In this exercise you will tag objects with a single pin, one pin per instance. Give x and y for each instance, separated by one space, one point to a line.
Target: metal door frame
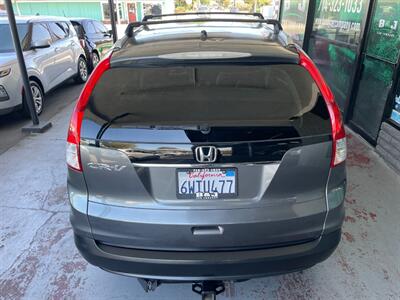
357 73
312 4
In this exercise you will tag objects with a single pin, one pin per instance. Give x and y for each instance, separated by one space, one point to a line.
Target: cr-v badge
107 167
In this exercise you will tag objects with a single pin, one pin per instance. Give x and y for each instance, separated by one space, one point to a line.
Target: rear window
6 44
89 27
58 30
40 32
226 96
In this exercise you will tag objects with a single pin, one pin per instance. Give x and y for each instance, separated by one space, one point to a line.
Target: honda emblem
206 154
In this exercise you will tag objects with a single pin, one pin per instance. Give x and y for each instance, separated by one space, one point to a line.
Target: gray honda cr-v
206 150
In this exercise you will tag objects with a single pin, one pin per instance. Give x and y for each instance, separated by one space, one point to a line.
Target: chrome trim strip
152 165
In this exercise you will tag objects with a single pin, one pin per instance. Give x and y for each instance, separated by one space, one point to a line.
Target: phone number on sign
336 6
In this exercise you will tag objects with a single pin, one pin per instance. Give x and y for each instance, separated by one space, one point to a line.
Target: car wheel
95 59
83 73
38 99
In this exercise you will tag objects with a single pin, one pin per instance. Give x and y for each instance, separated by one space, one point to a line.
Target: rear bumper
207 265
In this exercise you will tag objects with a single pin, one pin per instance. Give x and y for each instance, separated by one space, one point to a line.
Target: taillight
74 129
339 149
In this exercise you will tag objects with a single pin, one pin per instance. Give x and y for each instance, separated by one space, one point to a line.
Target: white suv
52 55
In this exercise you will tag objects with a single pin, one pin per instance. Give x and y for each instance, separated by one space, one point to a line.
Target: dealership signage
385 31
346 6
344 15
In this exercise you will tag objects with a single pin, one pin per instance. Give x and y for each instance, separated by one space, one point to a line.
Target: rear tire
82 75
95 60
38 99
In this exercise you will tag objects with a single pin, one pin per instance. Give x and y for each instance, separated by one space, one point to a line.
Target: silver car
52 55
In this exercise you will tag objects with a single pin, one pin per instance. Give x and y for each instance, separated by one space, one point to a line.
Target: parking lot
40 261
56 101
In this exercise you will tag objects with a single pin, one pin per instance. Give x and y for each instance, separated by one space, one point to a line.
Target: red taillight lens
74 129
338 133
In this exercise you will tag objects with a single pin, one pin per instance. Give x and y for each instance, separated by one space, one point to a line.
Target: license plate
213 183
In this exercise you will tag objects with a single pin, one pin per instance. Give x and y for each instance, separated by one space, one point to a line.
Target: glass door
293 18
335 40
379 60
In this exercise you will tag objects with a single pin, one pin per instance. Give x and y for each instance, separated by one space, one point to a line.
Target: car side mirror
110 32
40 44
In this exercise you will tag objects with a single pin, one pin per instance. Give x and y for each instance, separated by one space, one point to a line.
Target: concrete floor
38 259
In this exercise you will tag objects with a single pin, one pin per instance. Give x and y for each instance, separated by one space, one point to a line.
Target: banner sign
341 18
384 36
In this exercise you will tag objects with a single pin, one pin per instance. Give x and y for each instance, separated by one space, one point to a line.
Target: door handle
207 230
57 49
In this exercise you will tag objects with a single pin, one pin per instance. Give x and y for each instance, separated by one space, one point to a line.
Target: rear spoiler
131 26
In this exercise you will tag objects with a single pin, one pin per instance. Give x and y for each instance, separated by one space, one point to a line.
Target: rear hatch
147 137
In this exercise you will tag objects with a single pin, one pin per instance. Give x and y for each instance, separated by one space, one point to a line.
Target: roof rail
131 26
148 17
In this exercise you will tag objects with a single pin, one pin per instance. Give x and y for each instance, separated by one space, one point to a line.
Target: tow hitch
207 289
149 285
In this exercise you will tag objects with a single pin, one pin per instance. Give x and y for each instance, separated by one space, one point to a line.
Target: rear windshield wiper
107 124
